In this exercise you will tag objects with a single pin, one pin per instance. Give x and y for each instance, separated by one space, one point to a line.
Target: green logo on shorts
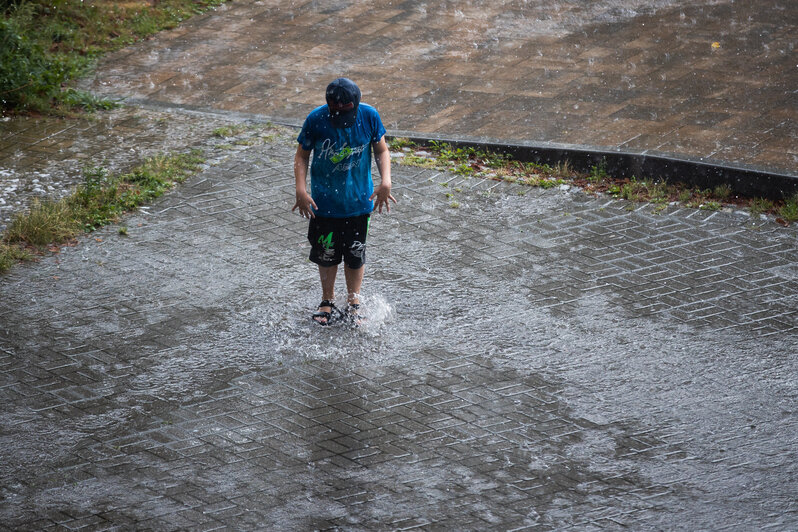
326 241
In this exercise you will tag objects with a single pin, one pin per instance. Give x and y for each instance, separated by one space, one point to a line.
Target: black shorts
334 239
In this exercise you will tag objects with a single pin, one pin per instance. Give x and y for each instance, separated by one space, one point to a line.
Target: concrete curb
744 180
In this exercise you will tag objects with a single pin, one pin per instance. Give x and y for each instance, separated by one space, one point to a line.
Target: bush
28 78
46 43
8 5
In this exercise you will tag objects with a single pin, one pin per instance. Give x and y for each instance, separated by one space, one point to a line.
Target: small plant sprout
399 143
789 211
598 173
710 206
224 132
759 206
722 192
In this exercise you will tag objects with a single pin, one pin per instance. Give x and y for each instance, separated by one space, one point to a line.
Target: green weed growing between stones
228 131
789 210
710 206
759 206
598 173
722 192
10 254
398 143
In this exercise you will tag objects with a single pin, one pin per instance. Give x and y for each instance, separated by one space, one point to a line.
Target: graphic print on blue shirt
340 171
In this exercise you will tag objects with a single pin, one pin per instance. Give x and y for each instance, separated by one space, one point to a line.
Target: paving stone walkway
705 79
534 360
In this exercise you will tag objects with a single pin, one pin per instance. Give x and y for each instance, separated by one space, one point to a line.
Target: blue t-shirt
340 171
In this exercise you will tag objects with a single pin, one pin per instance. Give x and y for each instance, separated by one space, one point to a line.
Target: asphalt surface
533 359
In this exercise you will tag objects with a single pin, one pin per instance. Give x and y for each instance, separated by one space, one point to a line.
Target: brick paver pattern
543 359
708 79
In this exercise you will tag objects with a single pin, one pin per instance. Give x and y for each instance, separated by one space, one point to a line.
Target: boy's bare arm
304 202
383 192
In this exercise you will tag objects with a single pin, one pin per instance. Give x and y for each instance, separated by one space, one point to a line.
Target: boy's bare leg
354 280
327 277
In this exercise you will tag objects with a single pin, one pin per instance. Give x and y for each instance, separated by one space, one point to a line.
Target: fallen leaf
782 221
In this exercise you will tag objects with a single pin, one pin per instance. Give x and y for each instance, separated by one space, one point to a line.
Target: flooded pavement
712 80
532 360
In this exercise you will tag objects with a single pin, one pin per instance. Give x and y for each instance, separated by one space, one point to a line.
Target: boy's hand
305 204
383 194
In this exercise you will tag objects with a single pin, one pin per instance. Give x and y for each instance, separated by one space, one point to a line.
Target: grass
224 132
100 200
473 162
788 211
12 254
47 222
44 44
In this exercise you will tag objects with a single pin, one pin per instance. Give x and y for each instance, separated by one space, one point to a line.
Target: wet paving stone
548 360
707 79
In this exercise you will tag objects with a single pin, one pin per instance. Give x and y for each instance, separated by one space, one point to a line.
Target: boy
341 135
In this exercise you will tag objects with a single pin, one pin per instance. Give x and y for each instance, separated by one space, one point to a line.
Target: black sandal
352 314
323 314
